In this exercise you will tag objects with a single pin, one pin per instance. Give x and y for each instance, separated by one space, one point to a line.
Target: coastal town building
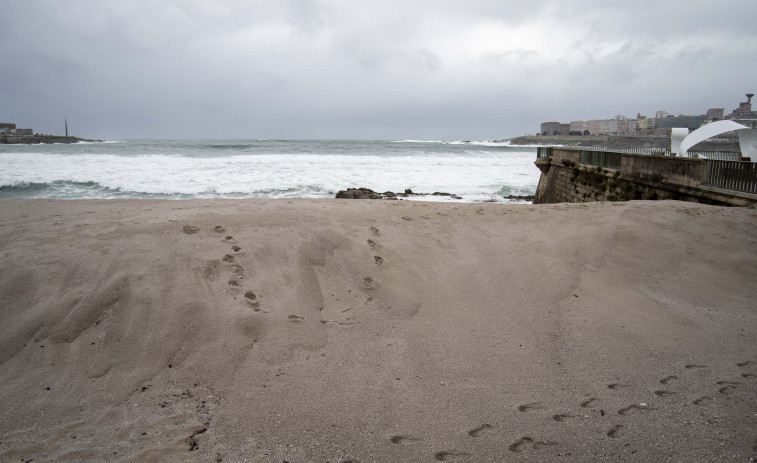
659 125
9 128
715 114
554 128
744 114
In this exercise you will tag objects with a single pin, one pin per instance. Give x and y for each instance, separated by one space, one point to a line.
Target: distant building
7 126
744 114
24 132
647 126
579 128
715 114
554 128
659 125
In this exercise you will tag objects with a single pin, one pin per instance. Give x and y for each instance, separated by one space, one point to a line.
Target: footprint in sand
238 270
521 444
617 386
588 403
664 393
189 229
479 430
694 366
234 283
372 244
530 407
296 318
616 431
368 282
747 364
634 409
374 231
704 400
560 418
668 379
251 299
228 258
405 440
378 260
219 229
449 455
728 386
236 248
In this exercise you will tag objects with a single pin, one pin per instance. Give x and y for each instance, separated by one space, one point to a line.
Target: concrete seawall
630 176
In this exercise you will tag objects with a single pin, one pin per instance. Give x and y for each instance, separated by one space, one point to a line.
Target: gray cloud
441 69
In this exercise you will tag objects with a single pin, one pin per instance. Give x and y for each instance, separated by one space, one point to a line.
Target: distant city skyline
436 70
657 125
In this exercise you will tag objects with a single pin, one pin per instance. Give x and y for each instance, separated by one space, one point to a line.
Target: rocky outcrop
520 197
367 193
39 139
359 193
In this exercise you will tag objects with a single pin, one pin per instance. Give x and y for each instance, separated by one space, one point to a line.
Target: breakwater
582 175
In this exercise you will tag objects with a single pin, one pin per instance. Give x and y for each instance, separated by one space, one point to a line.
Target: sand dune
376 331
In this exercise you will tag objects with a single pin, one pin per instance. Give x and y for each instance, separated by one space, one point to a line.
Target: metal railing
546 152
611 160
648 151
718 155
732 175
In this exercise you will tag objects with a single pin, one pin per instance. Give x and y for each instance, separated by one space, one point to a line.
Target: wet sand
376 331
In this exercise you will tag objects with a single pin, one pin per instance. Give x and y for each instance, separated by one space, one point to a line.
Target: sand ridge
361 330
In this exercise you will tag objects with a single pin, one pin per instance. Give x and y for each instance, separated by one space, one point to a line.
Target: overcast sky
354 69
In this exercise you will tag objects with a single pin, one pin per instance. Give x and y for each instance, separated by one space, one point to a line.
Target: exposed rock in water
367 193
520 197
358 193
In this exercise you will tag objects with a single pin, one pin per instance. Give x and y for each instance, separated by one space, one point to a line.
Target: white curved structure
676 137
748 143
711 130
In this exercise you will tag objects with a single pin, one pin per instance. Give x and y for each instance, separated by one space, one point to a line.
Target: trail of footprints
251 299
235 282
617 431
238 272
523 443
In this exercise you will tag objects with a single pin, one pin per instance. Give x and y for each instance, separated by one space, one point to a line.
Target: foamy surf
480 171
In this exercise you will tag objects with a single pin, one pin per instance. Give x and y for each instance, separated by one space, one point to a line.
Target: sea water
186 169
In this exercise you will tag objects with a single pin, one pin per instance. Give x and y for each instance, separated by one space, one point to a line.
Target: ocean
187 169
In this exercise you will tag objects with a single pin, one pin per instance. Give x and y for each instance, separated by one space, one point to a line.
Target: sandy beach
376 331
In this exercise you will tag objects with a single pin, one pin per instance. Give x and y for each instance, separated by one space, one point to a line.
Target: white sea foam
477 173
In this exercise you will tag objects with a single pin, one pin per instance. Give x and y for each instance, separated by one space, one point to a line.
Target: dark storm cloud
353 69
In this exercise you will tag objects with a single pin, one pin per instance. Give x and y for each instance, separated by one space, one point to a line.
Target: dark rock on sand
367 193
520 197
